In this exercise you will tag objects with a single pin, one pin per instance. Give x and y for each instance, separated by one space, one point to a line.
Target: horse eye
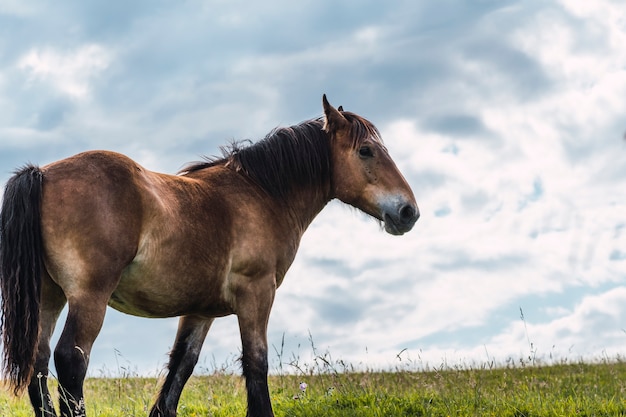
365 152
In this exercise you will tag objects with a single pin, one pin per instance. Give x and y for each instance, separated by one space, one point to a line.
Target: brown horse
97 229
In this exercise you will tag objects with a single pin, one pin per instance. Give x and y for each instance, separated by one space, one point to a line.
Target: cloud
523 219
505 117
574 332
16 8
68 73
566 336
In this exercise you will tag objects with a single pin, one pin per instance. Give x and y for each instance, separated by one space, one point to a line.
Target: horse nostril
408 213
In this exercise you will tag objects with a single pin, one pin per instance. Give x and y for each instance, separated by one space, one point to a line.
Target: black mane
288 156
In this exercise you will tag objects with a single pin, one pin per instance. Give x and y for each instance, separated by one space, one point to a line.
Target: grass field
516 390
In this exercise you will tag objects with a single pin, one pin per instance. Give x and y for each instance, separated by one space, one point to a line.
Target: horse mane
288 156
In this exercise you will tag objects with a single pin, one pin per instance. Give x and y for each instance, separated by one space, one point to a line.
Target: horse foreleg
183 358
255 303
71 355
52 302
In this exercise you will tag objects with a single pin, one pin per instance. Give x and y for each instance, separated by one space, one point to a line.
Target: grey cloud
593 323
617 255
458 261
581 144
51 113
458 125
192 48
520 74
186 77
426 179
456 336
340 312
474 201
106 20
443 211
341 267
335 266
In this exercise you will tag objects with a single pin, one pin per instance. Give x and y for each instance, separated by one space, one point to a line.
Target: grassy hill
517 390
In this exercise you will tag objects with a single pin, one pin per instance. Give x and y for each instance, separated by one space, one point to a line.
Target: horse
97 229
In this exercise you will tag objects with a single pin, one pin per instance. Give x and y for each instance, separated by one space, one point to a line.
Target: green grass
578 389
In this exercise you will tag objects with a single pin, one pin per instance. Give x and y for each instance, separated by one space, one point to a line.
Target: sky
507 118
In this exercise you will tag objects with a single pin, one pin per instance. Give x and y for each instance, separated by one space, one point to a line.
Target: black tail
20 273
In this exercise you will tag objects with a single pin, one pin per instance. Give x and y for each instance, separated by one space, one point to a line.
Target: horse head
363 173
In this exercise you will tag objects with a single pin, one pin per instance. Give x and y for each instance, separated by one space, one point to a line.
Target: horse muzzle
399 216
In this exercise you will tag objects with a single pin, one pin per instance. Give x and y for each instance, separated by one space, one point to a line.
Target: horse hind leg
183 358
52 302
71 355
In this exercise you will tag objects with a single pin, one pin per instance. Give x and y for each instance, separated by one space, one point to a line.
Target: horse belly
159 292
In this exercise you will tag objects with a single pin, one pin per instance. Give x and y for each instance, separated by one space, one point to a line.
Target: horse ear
333 120
340 108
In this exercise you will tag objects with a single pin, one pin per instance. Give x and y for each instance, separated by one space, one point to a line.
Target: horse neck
303 205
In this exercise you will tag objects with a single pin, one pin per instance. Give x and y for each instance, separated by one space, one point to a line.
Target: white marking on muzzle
390 211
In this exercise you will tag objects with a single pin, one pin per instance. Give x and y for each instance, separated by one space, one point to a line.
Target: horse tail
20 274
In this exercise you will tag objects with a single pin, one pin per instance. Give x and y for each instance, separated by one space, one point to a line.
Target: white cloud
575 333
542 222
16 8
68 72
568 336
506 124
